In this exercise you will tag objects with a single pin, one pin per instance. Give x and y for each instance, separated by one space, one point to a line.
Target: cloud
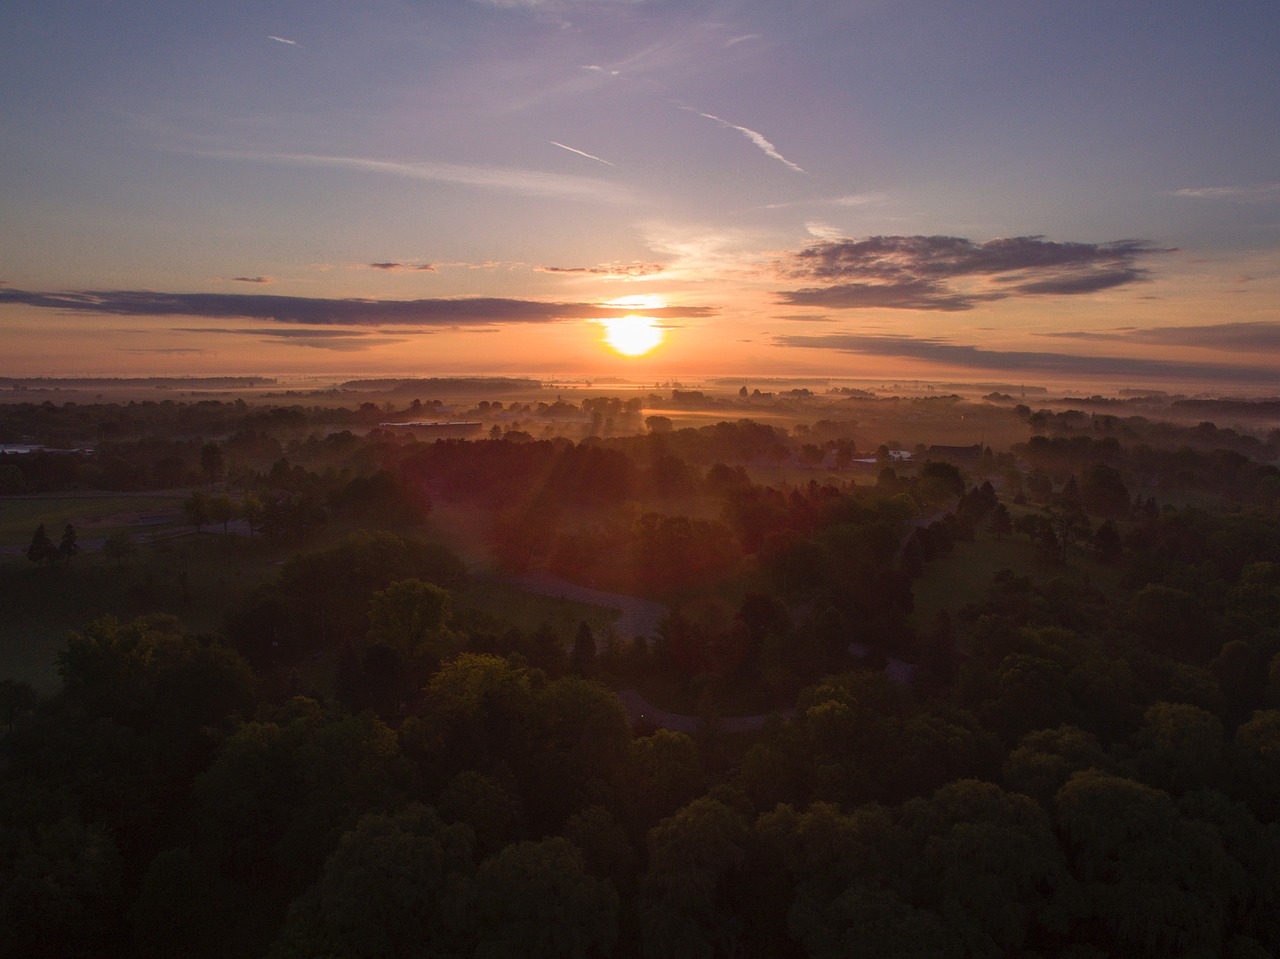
595 68
1248 337
581 153
341 341
848 200
508 179
974 357
904 295
308 311
165 351
253 279
1253 193
394 267
758 139
614 270
734 41
292 43
951 274
860 199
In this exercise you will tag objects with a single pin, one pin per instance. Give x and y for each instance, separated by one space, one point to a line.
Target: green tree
412 617
535 899
692 889
397 885
60 891
196 509
42 549
212 463
1151 883
16 698
67 546
220 509
583 656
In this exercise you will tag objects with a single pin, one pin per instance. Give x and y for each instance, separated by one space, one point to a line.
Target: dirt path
636 617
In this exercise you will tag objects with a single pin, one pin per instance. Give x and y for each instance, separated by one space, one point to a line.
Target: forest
935 676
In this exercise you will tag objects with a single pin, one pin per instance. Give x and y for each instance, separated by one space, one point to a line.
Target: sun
632 335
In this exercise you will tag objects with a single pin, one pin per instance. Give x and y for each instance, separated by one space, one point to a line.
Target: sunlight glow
632 335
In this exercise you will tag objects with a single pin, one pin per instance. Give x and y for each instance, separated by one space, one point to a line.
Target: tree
251 510
1152 883
60 891
535 899
221 509
583 656
212 464
16 698
41 549
196 508
1001 523
67 546
412 616
689 903
397 885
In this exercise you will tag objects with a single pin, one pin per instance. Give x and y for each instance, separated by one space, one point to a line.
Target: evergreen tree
583 656
68 546
41 549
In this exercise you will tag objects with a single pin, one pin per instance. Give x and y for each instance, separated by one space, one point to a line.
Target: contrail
579 152
756 138
292 43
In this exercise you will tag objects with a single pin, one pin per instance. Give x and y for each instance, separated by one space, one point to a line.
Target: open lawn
94 515
962 576
199 579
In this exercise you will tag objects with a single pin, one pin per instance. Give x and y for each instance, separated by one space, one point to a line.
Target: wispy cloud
284 40
734 41
1252 193
508 179
611 270
757 138
848 200
973 357
309 311
165 350
860 199
596 68
254 279
581 153
939 272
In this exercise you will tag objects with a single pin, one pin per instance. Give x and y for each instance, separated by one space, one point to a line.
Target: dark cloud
392 266
343 341
1256 337
974 357
254 279
307 311
903 295
939 272
611 269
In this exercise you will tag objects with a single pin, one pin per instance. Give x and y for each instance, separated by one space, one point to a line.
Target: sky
1016 192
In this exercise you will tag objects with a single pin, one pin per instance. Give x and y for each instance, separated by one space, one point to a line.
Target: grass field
199 579
94 516
962 576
